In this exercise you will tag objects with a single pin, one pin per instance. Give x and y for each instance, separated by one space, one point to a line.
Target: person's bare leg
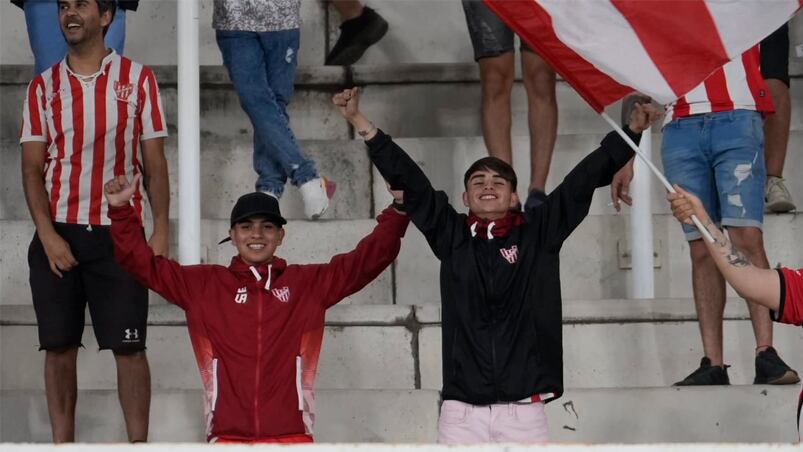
134 390
542 115
496 81
348 9
776 128
708 286
61 390
751 242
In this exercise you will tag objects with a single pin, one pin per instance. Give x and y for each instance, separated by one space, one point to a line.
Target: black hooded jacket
500 292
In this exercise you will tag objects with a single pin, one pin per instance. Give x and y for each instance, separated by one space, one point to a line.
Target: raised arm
428 208
568 204
759 285
164 276
349 272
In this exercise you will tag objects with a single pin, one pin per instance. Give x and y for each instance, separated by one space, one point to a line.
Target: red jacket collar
269 270
493 228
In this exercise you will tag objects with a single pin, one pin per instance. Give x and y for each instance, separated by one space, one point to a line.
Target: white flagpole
655 171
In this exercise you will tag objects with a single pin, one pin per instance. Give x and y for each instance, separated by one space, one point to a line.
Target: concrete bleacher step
305 242
595 259
440 100
607 344
637 415
227 172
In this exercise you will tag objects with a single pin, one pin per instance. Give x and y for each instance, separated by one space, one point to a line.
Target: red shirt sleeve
790 309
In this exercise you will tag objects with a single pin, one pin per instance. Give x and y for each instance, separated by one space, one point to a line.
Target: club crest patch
282 293
122 91
511 254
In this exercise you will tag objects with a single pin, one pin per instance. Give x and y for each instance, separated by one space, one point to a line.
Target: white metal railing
189 133
641 228
363 447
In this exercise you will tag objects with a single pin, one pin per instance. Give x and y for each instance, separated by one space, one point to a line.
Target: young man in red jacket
257 326
780 289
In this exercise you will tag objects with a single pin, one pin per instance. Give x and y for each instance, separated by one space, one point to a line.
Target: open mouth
488 197
256 246
73 26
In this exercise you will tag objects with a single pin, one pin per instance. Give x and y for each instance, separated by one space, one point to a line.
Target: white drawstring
256 273
490 229
474 229
267 283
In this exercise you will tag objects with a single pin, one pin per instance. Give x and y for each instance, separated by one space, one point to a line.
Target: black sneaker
706 374
771 370
535 198
356 35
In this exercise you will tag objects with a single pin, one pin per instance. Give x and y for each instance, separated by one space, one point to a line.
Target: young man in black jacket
500 281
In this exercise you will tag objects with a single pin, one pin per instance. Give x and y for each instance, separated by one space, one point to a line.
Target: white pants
462 423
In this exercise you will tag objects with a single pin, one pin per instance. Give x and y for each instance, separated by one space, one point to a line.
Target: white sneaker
270 193
776 197
316 194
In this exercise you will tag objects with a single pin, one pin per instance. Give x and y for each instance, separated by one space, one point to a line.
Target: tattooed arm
756 284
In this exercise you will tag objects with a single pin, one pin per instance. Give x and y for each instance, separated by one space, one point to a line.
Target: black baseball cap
256 204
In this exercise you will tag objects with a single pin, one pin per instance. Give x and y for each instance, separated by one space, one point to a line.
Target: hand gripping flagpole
658 174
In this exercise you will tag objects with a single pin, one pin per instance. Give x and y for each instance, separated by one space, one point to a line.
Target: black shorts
775 55
490 36
117 303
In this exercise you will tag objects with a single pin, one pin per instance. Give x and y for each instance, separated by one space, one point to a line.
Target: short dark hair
492 164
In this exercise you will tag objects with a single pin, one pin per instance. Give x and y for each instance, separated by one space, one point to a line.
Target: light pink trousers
462 423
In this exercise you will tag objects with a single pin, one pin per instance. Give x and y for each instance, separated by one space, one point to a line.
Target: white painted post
189 134
641 233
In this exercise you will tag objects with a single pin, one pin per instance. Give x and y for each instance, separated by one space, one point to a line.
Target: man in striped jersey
93 116
713 145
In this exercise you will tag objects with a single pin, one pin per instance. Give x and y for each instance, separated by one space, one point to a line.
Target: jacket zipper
494 309
257 366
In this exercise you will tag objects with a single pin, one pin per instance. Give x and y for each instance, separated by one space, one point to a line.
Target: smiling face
489 195
256 239
81 20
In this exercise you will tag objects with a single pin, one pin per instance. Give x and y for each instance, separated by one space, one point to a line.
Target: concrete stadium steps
177 416
722 414
595 259
393 97
309 242
227 172
411 37
607 344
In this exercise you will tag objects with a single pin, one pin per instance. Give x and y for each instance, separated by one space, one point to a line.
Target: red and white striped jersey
93 126
736 86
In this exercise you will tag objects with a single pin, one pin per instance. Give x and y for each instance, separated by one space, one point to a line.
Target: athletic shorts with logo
117 303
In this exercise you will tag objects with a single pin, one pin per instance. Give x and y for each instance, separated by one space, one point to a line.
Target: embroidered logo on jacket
510 254
282 293
242 295
122 91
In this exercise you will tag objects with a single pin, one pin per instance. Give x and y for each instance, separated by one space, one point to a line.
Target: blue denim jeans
47 41
720 158
262 67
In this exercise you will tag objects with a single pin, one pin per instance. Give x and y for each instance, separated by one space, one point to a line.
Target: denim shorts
490 36
720 158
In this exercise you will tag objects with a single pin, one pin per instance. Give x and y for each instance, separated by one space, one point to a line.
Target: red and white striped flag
663 48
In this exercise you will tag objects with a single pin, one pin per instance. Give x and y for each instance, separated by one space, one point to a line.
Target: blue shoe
535 198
